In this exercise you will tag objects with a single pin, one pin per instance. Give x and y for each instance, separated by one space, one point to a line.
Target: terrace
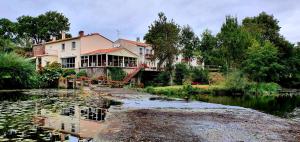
108 58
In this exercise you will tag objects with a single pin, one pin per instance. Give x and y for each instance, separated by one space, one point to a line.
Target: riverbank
143 119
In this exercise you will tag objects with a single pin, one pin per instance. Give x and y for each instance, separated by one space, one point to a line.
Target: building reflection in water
75 123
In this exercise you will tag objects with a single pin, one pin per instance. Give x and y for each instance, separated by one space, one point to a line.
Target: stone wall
95 71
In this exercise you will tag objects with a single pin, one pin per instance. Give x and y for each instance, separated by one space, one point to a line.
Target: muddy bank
160 122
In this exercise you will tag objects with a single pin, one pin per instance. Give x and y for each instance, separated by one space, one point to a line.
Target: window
63 47
147 51
62 126
84 61
92 60
73 127
68 62
141 51
73 45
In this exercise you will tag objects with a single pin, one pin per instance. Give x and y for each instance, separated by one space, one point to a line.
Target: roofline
147 45
72 38
117 49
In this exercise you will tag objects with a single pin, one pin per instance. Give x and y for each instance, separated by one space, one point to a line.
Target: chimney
63 34
52 38
81 33
138 39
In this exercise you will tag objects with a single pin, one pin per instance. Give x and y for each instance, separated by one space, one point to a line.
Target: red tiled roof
136 43
107 50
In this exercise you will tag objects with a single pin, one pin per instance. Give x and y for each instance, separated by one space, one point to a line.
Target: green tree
209 49
43 26
261 63
7 35
162 79
181 73
265 27
7 29
16 72
27 28
189 42
233 41
199 75
163 35
291 75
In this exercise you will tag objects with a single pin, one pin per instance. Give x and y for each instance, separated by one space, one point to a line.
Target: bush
181 73
81 73
116 73
216 78
185 91
16 72
68 72
162 79
50 75
236 81
263 88
199 75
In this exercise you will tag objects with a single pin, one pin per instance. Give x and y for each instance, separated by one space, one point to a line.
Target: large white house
96 53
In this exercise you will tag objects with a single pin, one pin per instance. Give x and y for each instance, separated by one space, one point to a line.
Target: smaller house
142 50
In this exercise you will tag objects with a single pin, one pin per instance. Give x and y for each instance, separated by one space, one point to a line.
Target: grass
181 87
183 91
179 91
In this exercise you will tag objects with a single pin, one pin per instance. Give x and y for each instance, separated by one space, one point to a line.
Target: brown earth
166 124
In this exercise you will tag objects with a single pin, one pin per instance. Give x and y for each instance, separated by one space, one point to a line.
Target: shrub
181 73
81 73
150 89
215 78
16 72
236 81
163 79
68 72
50 75
199 75
263 88
116 73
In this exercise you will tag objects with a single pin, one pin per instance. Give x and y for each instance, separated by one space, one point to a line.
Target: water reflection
74 121
51 115
282 105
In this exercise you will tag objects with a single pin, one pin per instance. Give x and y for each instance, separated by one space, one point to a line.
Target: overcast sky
132 17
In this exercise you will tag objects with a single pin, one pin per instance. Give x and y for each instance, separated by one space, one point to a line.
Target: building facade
96 53
142 50
93 53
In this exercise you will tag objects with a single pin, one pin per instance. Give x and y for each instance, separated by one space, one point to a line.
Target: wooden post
123 62
96 64
113 60
106 59
118 61
101 60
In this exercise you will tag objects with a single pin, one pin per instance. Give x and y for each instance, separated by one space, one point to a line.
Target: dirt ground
218 123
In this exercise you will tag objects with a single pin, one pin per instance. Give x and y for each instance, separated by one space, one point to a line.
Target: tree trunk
171 79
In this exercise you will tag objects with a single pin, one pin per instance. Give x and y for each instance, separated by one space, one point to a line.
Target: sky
130 18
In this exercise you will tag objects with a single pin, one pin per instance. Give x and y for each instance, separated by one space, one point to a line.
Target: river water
55 115
50 115
287 106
